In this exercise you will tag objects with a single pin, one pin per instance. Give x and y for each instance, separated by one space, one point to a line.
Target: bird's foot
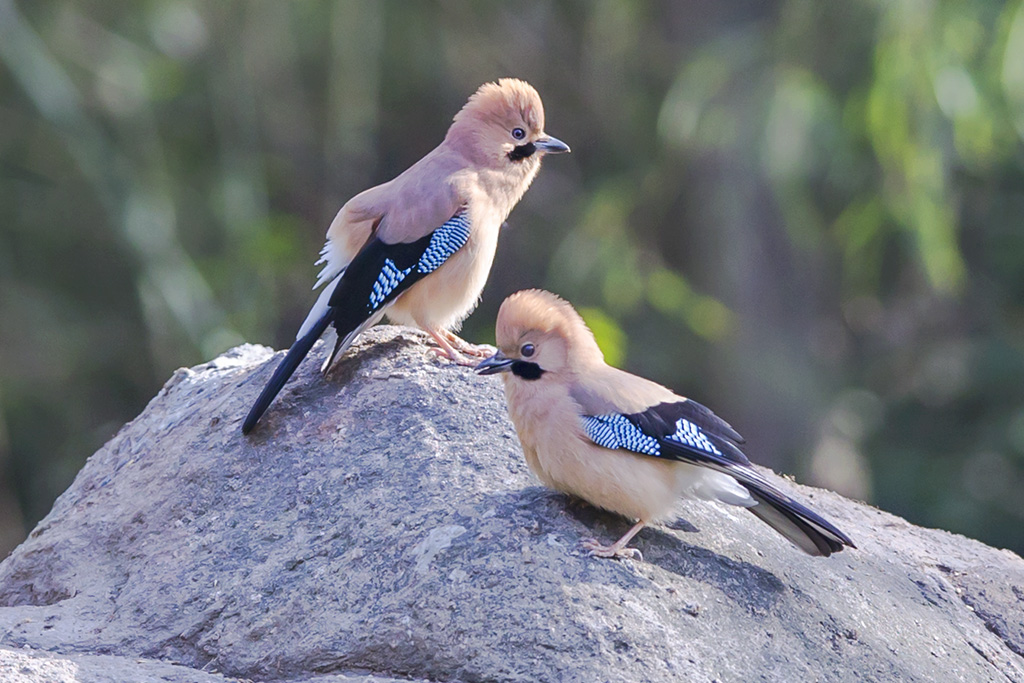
455 357
614 551
456 349
473 350
446 349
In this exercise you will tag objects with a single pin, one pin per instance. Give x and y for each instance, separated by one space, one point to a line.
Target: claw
617 550
451 346
477 351
596 549
454 356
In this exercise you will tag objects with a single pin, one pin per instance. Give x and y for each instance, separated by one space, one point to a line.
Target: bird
622 442
419 247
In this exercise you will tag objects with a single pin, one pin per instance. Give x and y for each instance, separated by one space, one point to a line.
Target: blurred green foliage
804 214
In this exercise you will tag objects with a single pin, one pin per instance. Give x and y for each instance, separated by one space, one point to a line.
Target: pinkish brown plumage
622 442
418 248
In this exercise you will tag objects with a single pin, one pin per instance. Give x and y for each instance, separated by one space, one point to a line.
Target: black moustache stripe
526 370
522 152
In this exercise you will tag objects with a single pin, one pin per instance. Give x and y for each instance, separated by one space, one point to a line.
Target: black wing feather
688 432
351 301
381 272
812 527
378 274
661 421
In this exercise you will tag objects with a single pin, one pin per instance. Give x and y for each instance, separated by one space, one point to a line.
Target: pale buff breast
548 424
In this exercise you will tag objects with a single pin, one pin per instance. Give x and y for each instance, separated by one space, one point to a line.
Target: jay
419 247
622 442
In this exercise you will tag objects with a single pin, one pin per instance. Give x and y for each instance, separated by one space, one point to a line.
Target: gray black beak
499 362
551 145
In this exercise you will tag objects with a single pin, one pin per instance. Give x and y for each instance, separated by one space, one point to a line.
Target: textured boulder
26 665
381 523
30 666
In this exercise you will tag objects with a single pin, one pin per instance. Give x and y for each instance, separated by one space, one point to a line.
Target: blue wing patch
662 432
692 436
444 242
387 281
441 244
617 431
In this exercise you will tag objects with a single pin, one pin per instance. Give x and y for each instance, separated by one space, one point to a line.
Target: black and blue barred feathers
688 432
617 431
685 425
378 274
443 242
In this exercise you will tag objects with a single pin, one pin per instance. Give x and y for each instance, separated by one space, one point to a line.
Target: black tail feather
285 370
802 526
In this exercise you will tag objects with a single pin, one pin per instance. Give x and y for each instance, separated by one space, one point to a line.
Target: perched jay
419 247
621 442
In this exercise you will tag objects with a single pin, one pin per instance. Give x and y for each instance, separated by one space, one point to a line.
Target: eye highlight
527 350
518 133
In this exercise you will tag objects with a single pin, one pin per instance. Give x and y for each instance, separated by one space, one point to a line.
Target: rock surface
381 524
33 666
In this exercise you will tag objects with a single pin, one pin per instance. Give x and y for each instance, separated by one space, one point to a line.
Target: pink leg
618 549
446 348
465 347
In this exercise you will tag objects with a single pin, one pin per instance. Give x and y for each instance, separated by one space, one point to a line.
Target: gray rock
33 666
381 522
29 666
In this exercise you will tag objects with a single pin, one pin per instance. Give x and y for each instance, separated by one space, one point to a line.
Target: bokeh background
806 214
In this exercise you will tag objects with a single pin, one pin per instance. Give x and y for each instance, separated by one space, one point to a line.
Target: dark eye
527 350
518 133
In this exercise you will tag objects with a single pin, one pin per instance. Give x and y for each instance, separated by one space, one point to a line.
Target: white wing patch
334 264
320 307
706 484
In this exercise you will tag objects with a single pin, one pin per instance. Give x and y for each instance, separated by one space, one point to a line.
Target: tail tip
251 420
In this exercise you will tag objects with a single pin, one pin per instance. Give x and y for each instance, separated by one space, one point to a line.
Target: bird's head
538 335
502 126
